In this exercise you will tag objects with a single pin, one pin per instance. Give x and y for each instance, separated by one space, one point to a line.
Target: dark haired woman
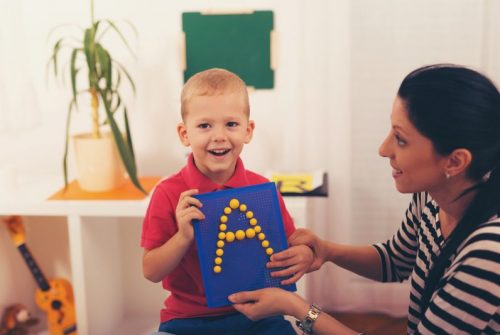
444 147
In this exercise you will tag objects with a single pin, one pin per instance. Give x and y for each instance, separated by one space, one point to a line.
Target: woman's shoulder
484 240
489 230
490 227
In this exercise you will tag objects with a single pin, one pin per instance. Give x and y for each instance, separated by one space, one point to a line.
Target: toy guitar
55 296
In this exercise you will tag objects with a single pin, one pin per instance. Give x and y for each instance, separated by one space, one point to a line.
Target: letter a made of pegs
229 236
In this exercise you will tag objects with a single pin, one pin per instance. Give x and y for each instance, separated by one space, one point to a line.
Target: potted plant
91 63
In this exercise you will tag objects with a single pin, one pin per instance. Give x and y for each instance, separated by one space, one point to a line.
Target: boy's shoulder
255 178
172 184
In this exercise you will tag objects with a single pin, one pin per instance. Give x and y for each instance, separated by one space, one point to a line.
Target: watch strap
306 325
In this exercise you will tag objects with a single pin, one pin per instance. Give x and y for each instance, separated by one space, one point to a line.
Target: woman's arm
274 301
363 260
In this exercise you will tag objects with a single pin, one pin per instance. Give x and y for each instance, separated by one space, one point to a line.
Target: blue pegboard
243 266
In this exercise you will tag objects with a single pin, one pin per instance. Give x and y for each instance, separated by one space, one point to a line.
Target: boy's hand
297 260
187 210
306 237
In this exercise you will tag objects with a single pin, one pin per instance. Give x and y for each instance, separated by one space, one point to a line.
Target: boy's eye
232 124
204 125
399 140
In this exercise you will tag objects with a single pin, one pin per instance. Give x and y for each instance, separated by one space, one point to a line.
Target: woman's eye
232 124
203 125
400 141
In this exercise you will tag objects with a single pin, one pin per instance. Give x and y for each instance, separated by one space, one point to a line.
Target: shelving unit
111 295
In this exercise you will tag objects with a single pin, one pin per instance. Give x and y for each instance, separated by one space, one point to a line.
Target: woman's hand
296 260
307 237
267 302
187 210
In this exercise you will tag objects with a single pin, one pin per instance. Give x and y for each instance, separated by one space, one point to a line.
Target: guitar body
58 303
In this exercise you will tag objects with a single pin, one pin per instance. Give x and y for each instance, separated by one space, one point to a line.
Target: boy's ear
250 128
182 132
458 161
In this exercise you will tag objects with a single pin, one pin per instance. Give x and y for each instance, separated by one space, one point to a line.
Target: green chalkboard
240 43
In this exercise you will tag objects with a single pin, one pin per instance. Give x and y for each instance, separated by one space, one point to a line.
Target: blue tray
243 266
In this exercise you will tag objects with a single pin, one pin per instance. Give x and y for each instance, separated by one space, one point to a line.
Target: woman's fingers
278 264
282 255
290 256
293 279
284 263
285 272
243 297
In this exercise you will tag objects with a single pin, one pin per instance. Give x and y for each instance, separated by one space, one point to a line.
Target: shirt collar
194 178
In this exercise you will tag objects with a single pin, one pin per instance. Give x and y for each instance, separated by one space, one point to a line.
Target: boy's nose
219 135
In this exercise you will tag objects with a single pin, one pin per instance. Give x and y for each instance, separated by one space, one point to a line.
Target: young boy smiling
216 125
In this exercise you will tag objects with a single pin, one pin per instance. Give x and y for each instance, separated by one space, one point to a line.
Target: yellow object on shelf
294 183
307 183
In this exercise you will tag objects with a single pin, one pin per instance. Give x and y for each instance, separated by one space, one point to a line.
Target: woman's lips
396 173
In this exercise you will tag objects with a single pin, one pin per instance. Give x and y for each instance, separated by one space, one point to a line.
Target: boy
216 125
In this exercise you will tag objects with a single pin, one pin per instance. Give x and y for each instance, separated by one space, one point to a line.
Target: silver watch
306 325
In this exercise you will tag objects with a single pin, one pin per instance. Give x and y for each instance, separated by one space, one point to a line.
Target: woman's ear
183 135
249 134
458 161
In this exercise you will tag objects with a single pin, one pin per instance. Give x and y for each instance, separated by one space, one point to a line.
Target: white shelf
30 198
111 294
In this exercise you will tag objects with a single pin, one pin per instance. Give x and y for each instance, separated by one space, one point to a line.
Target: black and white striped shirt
467 299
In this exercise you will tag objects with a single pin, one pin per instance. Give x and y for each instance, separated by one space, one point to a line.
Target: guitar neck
41 281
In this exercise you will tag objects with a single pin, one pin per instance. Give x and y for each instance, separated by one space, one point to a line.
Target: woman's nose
384 149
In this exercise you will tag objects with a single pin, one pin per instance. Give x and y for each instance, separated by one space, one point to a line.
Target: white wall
155 110
388 40
339 65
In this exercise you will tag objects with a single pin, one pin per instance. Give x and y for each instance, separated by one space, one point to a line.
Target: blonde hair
213 82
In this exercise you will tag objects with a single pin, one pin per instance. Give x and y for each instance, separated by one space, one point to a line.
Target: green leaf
118 99
115 28
125 151
122 69
72 104
105 65
118 79
127 132
55 51
89 49
73 71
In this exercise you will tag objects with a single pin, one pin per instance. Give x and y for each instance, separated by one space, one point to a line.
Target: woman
444 147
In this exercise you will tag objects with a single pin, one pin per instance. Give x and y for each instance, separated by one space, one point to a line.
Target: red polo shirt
187 296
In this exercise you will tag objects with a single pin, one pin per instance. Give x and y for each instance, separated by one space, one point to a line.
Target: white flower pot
98 163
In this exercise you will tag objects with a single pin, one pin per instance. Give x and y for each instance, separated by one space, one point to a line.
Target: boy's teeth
219 151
